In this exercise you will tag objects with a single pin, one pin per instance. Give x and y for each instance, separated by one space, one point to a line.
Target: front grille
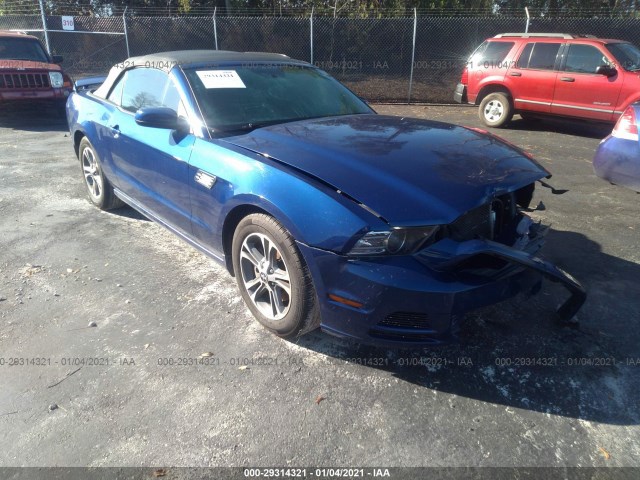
406 320
425 338
475 223
9 81
414 327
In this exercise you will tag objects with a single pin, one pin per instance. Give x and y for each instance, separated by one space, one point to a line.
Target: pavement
120 345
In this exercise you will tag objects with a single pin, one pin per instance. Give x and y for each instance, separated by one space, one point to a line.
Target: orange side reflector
346 301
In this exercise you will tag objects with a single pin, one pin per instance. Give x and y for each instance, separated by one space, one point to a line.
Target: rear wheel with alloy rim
495 110
274 281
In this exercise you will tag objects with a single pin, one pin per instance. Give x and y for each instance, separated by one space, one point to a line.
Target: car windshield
248 97
627 55
22 49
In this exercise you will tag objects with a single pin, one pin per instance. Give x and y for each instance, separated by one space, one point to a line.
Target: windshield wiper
242 127
250 126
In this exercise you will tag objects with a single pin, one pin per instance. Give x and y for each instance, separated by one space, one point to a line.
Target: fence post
126 31
413 52
44 27
215 27
311 33
526 28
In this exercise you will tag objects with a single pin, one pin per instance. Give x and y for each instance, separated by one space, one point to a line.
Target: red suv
550 74
28 73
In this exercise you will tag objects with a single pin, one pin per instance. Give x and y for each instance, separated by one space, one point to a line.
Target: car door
580 91
106 140
533 78
153 163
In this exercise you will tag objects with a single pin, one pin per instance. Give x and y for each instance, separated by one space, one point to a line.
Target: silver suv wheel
495 110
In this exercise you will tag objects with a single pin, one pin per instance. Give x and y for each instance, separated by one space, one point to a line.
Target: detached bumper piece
449 255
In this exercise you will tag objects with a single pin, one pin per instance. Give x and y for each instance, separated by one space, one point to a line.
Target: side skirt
147 213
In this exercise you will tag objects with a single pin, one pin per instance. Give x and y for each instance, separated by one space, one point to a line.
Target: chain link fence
371 56
92 47
379 59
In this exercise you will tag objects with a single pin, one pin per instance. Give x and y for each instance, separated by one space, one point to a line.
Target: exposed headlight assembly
56 79
399 241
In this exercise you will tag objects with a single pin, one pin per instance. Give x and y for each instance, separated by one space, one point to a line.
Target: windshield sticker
220 79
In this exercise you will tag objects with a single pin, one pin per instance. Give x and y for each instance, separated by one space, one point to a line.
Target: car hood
28 65
408 171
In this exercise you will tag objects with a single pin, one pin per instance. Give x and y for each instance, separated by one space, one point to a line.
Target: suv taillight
464 79
626 127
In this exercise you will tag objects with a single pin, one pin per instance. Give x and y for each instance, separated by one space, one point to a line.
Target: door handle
567 79
115 129
515 74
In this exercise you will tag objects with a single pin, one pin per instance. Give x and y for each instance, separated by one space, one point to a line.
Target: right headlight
399 241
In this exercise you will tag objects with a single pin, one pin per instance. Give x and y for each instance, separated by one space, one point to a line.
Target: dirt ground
126 392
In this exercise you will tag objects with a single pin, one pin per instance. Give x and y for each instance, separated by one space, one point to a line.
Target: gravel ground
64 265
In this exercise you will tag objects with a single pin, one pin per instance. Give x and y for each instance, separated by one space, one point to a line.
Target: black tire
495 110
99 188
260 277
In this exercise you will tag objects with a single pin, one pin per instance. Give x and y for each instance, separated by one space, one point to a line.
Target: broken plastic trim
466 250
554 191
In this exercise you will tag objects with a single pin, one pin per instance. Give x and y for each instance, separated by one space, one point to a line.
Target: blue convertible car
378 228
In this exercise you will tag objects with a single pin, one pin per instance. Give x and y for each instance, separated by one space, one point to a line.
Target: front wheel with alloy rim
495 110
274 281
98 186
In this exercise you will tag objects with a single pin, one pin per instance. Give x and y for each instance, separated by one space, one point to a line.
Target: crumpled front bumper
408 301
447 255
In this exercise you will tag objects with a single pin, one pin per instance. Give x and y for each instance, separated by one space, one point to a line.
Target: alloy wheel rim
493 111
92 175
265 276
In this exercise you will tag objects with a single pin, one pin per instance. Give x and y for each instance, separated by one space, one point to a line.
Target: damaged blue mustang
378 228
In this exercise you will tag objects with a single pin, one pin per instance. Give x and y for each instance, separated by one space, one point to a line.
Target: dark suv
550 74
29 74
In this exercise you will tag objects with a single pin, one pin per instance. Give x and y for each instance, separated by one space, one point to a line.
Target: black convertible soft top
167 60
185 58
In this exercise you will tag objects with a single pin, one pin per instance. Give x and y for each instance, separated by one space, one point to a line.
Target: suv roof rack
552 35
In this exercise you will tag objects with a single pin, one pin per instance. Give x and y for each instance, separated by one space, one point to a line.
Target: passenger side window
523 60
584 59
144 87
539 56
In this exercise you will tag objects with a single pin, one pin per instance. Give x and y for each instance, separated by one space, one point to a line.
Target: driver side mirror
161 117
606 70
58 59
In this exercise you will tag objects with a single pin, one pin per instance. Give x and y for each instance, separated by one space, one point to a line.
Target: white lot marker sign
68 23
